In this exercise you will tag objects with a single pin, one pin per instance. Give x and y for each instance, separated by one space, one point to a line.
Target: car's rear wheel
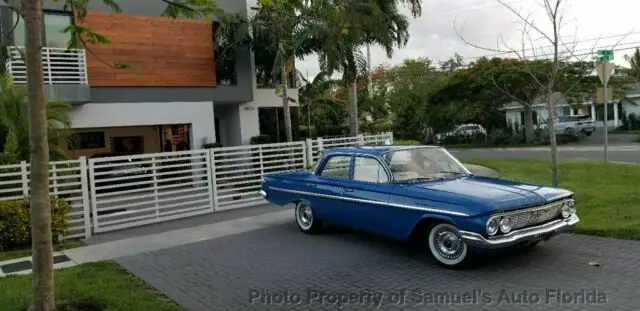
447 246
305 218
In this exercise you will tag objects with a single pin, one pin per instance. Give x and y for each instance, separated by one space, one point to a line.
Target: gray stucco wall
241 92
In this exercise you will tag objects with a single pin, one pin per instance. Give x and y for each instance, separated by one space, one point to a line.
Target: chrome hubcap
305 216
448 244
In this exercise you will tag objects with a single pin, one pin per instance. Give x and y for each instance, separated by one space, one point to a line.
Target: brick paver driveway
279 268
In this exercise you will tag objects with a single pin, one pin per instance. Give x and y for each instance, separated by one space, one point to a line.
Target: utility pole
605 70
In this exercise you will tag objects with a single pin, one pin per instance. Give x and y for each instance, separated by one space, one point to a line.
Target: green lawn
101 284
26 251
607 195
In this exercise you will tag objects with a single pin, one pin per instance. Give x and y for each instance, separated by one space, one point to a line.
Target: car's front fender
466 223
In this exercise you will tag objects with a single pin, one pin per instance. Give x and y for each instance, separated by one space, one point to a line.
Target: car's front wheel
305 218
447 247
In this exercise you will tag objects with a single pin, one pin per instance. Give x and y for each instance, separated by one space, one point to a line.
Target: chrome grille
535 215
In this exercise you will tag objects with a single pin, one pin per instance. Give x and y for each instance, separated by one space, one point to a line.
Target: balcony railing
61 66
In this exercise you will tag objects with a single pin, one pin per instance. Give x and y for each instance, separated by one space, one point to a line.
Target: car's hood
477 195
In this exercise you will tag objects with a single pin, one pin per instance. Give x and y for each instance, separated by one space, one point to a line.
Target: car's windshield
420 164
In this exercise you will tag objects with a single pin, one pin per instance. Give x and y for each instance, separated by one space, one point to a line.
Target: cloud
484 22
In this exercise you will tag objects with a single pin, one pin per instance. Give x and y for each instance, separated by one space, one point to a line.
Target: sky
589 23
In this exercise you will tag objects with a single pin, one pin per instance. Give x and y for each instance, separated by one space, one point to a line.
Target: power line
551 46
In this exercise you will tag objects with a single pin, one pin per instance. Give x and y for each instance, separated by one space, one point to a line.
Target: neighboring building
615 110
173 98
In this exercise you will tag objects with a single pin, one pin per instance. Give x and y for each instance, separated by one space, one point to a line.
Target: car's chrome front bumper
540 232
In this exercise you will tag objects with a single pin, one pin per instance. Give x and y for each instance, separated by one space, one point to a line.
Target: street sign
605 70
600 95
605 55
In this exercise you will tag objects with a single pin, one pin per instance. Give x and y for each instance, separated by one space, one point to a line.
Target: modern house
173 97
616 110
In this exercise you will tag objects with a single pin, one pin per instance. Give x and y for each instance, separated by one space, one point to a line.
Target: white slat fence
114 193
67 180
238 170
135 190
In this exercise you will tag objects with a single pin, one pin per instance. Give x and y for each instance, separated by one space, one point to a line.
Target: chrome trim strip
411 207
263 193
514 237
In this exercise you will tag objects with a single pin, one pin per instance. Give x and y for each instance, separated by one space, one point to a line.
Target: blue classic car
421 193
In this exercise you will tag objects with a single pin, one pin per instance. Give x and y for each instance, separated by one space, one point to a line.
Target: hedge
15 222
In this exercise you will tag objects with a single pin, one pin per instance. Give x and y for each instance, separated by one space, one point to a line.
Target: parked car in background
464 130
580 123
423 194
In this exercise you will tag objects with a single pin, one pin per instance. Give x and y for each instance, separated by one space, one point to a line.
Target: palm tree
319 93
344 26
277 32
14 120
634 63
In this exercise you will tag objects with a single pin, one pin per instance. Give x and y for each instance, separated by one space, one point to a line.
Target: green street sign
605 55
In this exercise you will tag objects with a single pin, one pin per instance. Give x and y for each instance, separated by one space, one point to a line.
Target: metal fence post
214 185
260 157
86 207
390 136
154 170
309 150
54 178
210 180
361 140
25 178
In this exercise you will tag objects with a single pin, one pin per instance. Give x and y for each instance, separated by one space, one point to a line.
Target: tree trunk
285 104
551 124
353 109
528 123
43 299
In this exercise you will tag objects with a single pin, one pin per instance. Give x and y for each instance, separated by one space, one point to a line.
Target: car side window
369 170
337 166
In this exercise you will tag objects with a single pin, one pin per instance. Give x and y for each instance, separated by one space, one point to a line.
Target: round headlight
566 210
572 206
492 226
505 225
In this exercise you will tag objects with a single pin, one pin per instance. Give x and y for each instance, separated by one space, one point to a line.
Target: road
618 153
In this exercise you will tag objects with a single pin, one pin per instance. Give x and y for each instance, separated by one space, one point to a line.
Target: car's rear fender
292 183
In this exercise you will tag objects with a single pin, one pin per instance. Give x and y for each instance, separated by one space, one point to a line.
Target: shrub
259 139
15 222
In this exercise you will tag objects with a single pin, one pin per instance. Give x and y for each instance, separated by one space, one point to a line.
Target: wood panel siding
162 51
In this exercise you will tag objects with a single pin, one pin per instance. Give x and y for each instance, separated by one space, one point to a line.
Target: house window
53 35
89 140
271 123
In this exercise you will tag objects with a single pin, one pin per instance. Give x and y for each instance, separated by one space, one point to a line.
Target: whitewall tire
447 247
305 218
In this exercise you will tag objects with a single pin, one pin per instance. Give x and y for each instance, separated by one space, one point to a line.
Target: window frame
44 25
377 159
328 158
